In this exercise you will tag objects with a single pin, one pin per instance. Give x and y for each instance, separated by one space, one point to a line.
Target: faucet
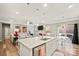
41 35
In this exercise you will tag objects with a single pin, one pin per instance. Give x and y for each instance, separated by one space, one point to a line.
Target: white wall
13 22
78 31
0 31
55 23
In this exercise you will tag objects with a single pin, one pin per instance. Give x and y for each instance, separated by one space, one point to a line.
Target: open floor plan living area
39 29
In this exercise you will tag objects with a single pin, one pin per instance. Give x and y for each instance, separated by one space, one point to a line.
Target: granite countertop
34 41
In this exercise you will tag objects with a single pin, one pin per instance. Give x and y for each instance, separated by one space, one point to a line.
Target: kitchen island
37 46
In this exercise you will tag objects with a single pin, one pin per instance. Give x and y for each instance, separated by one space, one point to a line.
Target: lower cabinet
51 46
46 49
24 51
36 51
40 50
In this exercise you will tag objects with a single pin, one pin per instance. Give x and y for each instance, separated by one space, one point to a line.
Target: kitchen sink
45 38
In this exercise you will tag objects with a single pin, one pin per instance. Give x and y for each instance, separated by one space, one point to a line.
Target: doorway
65 35
5 30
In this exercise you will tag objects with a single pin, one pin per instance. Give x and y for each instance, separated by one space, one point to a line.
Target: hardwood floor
69 49
7 49
2 51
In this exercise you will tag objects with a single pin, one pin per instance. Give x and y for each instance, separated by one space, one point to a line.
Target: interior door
6 31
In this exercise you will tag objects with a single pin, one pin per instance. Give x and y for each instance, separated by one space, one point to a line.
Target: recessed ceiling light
44 13
28 3
70 6
37 9
17 12
37 24
45 5
62 17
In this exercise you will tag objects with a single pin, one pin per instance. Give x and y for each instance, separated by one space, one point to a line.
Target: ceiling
36 13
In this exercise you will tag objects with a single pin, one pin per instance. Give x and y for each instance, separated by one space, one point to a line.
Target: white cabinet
40 50
24 51
37 47
51 47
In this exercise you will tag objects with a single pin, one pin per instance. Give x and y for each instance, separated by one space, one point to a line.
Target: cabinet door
51 47
40 50
24 51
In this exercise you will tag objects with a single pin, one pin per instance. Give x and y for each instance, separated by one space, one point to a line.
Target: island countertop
34 41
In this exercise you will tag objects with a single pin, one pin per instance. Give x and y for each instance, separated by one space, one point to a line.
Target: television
40 27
